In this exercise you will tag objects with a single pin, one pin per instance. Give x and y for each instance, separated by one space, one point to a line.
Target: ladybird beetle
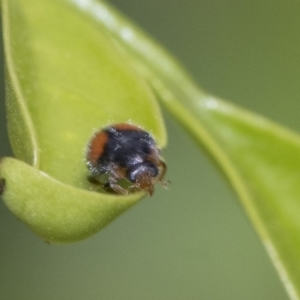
125 152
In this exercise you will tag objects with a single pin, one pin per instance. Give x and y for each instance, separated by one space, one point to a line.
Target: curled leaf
56 211
65 81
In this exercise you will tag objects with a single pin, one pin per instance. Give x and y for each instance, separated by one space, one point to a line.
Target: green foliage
65 81
260 159
55 108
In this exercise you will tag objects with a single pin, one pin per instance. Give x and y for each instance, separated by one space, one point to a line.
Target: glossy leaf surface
65 81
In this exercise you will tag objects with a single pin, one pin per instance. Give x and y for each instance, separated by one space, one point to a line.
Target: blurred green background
192 241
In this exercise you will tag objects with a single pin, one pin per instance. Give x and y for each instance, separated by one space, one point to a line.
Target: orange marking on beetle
125 126
96 146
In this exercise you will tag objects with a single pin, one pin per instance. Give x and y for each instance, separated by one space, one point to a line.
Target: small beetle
125 152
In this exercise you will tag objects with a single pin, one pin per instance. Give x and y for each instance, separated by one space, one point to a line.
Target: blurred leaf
65 81
260 159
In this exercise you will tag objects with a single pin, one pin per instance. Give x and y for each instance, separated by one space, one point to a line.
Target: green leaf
55 211
260 159
65 81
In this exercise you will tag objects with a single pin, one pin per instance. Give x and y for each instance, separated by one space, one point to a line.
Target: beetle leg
112 184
